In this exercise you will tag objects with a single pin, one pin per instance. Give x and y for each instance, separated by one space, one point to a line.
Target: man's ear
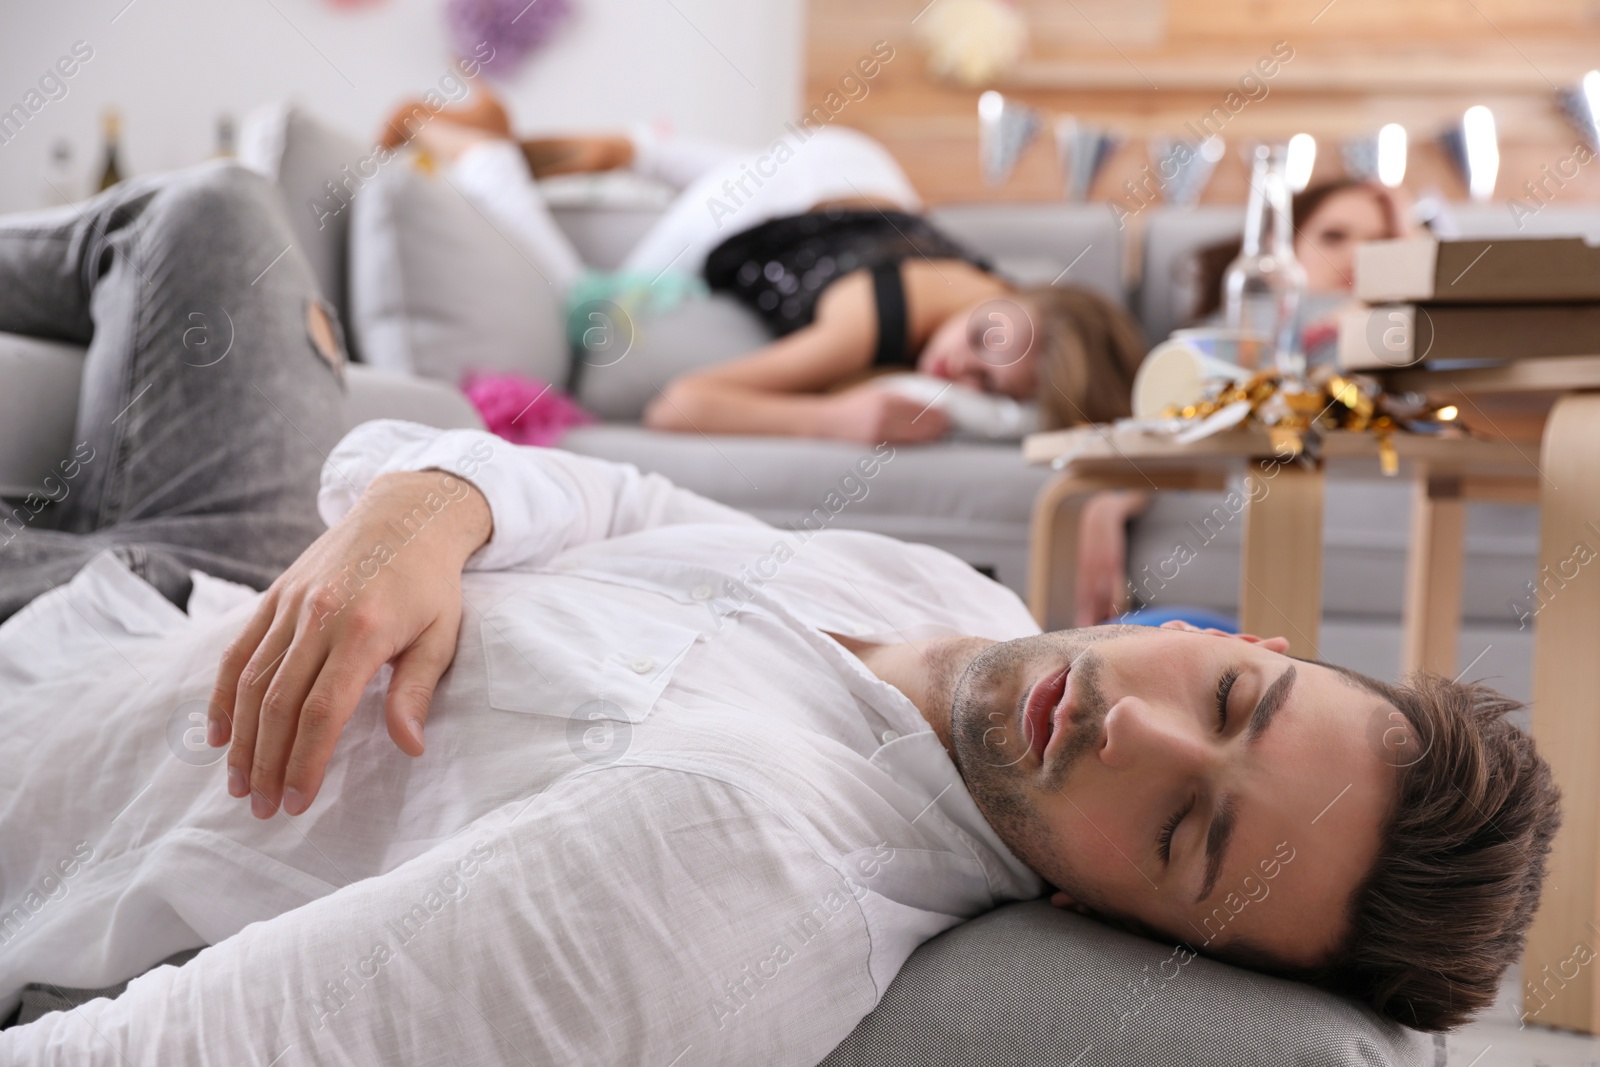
1271 644
1063 900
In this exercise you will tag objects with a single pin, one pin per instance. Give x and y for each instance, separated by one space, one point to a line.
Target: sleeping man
532 758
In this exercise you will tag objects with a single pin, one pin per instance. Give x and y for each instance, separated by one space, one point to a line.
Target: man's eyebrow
1217 838
1222 824
1271 701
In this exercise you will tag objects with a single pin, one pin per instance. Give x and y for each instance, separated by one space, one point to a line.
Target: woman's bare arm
781 388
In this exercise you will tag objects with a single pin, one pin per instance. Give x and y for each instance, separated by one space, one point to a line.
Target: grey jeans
212 385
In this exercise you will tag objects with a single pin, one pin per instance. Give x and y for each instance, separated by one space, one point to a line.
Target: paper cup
1178 373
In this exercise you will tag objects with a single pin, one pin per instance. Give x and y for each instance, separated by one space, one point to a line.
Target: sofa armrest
38 408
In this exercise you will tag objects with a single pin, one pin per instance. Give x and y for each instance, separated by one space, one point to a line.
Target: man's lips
1041 715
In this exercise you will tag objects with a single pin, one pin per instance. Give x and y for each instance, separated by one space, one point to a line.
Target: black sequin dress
780 268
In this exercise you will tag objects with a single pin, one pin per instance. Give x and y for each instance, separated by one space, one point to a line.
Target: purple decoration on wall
513 28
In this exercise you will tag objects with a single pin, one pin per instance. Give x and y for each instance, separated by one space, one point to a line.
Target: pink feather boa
523 410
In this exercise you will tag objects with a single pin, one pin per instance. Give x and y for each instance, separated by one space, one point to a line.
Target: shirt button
642 665
701 592
889 735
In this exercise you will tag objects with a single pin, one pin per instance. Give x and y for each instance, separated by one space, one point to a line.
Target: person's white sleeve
494 176
634 915
544 500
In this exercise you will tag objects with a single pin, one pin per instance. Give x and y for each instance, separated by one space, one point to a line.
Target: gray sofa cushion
970 499
1033 984
695 334
1029 983
1168 283
436 289
781 479
604 234
303 155
376 394
1033 244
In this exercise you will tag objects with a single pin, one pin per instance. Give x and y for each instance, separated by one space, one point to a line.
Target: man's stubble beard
982 729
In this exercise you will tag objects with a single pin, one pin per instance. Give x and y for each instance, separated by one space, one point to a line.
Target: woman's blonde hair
1088 350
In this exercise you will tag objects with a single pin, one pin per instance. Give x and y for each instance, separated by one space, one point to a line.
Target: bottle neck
1269 220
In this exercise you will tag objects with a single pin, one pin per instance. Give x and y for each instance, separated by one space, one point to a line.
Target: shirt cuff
383 446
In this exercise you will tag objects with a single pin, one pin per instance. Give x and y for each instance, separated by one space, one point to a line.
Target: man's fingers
253 681
219 713
416 672
326 710
279 720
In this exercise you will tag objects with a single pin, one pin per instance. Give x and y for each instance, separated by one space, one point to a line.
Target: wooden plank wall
1147 67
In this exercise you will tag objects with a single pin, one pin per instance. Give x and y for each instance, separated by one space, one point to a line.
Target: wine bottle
224 148
1264 285
112 173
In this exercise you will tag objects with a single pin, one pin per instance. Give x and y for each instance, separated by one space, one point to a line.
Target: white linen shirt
662 818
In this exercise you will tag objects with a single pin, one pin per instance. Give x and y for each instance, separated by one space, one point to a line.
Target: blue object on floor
1204 618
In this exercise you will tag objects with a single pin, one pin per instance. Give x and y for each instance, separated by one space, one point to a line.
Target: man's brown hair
1446 907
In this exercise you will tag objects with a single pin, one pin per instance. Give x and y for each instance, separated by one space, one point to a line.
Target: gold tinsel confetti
1295 415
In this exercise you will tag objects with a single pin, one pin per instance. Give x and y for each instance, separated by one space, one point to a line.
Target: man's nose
1142 736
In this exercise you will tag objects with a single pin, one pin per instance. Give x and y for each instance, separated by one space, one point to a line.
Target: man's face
1206 787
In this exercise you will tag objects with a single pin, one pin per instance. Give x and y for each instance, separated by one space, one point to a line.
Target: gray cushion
1033 984
1033 244
781 478
302 154
604 234
1029 983
1172 236
376 394
436 289
970 499
697 333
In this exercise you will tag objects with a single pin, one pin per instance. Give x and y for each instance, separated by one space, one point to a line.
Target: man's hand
381 586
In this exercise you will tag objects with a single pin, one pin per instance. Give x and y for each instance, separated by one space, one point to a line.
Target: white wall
171 66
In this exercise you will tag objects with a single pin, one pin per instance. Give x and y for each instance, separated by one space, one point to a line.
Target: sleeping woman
822 239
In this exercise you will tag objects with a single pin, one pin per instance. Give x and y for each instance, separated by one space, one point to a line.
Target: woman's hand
1103 556
381 586
872 416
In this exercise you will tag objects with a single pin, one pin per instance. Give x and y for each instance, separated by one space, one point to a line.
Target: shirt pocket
551 652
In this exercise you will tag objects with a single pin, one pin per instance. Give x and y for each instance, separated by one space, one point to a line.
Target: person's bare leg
486 114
